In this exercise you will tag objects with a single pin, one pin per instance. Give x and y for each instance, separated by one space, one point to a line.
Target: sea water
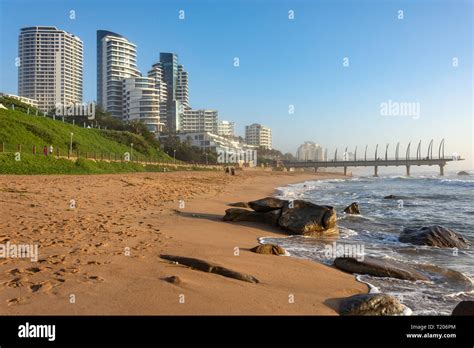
419 201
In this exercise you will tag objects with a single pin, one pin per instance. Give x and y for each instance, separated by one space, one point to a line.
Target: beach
100 238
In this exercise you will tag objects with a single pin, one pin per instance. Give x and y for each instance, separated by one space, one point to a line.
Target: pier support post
315 169
441 169
345 171
408 170
376 172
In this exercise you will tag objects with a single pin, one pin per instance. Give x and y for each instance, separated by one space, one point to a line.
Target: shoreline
83 251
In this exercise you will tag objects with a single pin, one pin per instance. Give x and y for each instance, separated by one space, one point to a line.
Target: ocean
421 200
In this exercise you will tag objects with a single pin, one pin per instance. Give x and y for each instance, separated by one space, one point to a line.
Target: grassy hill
17 127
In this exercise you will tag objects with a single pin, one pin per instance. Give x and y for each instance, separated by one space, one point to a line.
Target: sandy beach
100 238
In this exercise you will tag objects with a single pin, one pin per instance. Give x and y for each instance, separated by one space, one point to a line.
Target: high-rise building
310 151
50 66
176 79
157 74
182 87
116 60
258 135
226 128
199 121
141 102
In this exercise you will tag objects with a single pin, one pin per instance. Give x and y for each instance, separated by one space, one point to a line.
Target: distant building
199 121
141 101
310 151
258 135
50 66
31 102
228 150
226 128
176 80
116 60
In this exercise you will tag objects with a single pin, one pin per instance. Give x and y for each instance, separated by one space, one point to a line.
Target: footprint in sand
95 278
43 286
15 301
15 283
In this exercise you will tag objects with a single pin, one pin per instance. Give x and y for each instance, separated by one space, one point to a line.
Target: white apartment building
199 121
182 93
157 74
116 60
226 128
310 151
141 102
258 135
50 67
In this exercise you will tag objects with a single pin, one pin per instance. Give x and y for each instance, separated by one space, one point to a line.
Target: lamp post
70 144
131 151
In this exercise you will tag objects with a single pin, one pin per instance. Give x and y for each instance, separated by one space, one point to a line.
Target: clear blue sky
285 62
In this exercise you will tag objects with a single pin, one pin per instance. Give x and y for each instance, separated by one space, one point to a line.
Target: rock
379 268
352 209
462 172
306 218
238 214
239 204
371 304
464 308
267 204
268 249
436 235
394 197
208 267
174 280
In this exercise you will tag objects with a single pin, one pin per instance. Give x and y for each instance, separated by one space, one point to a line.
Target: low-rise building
29 101
258 135
226 129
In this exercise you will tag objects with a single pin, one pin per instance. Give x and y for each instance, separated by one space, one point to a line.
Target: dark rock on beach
462 172
173 280
309 219
266 204
352 209
464 308
296 217
209 267
371 304
379 268
438 236
239 204
239 214
268 249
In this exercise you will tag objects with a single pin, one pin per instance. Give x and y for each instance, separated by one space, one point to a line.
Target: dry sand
102 257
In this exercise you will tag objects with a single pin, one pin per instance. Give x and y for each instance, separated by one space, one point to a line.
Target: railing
66 153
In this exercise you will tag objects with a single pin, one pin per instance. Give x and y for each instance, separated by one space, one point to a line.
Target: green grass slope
17 127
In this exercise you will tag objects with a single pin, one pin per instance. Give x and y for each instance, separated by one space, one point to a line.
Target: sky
421 56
